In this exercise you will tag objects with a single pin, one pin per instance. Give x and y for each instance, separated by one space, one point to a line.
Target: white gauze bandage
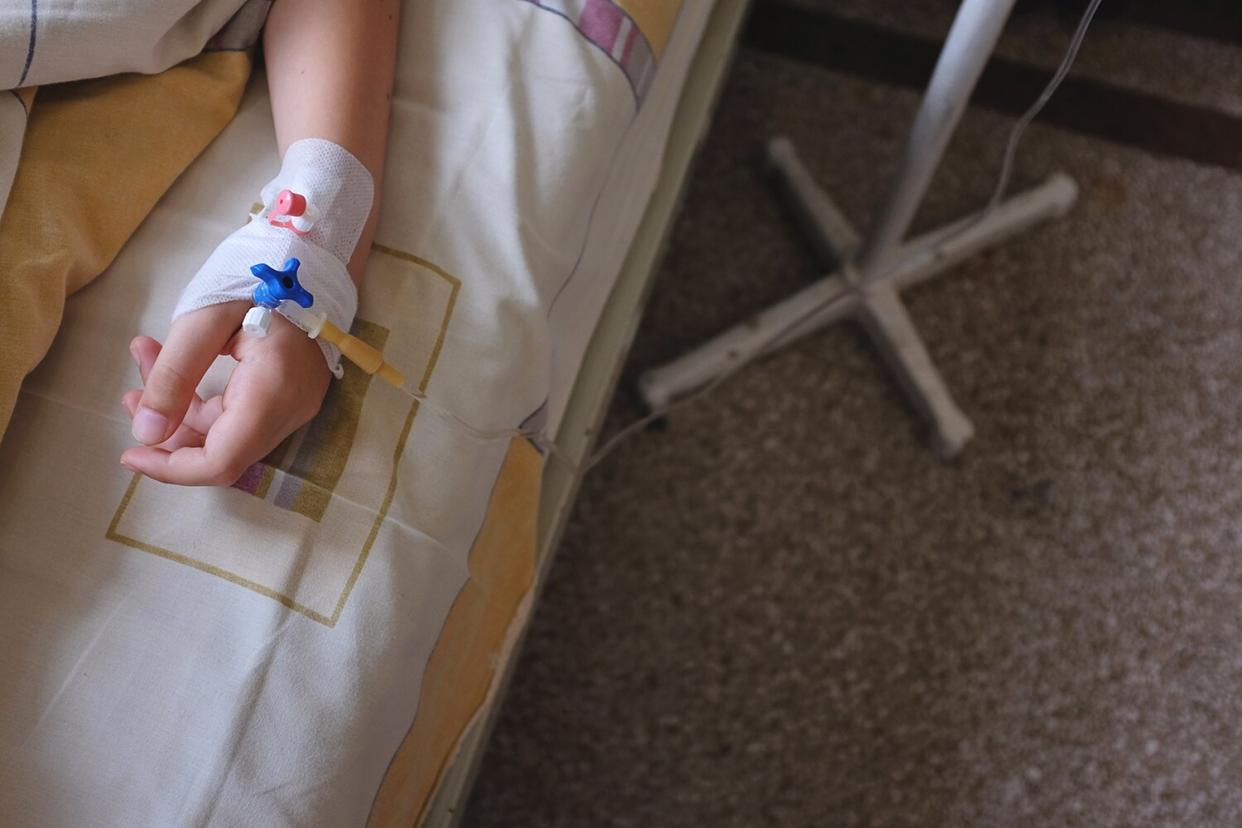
338 193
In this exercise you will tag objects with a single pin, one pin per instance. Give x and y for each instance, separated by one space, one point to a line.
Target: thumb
194 341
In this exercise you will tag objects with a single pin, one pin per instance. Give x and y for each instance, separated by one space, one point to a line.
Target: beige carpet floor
781 609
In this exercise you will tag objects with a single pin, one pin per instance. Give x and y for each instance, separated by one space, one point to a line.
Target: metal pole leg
894 334
829 300
831 232
767 331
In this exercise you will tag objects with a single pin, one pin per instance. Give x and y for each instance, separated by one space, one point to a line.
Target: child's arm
330 67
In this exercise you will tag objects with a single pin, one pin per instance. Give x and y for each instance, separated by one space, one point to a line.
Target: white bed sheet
619 209
264 672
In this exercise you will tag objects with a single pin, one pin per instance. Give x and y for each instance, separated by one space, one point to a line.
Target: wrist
314 210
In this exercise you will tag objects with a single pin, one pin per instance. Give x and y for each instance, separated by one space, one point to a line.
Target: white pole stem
974 33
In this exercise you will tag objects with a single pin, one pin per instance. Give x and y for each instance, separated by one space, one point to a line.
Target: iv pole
867 286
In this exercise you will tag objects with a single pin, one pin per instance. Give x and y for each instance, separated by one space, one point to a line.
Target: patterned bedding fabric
307 646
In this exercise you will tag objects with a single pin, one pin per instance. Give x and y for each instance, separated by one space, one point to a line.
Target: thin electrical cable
539 436
738 364
1015 133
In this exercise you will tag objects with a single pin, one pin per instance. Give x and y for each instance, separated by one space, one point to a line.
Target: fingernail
133 354
149 426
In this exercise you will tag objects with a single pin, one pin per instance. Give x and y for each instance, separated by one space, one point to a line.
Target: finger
199 417
183 437
145 349
240 436
203 414
193 344
129 400
188 434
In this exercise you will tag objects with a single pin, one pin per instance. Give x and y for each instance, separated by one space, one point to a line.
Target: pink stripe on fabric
600 22
629 46
249 481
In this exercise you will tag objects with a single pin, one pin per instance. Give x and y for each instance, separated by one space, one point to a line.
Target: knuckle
168 382
224 478
225 472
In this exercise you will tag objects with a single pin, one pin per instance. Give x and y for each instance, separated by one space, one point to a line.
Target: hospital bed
327 642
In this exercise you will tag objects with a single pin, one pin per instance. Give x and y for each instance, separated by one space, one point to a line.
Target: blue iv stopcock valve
275 286
279 285
282 285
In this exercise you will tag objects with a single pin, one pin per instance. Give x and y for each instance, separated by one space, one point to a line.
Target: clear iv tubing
540 437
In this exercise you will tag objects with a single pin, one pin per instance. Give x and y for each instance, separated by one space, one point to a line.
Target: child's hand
277 386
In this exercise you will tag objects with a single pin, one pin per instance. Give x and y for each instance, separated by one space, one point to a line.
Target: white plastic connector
258 321
306 320
305 222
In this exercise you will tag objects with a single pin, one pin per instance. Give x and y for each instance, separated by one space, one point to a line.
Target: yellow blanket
95 157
